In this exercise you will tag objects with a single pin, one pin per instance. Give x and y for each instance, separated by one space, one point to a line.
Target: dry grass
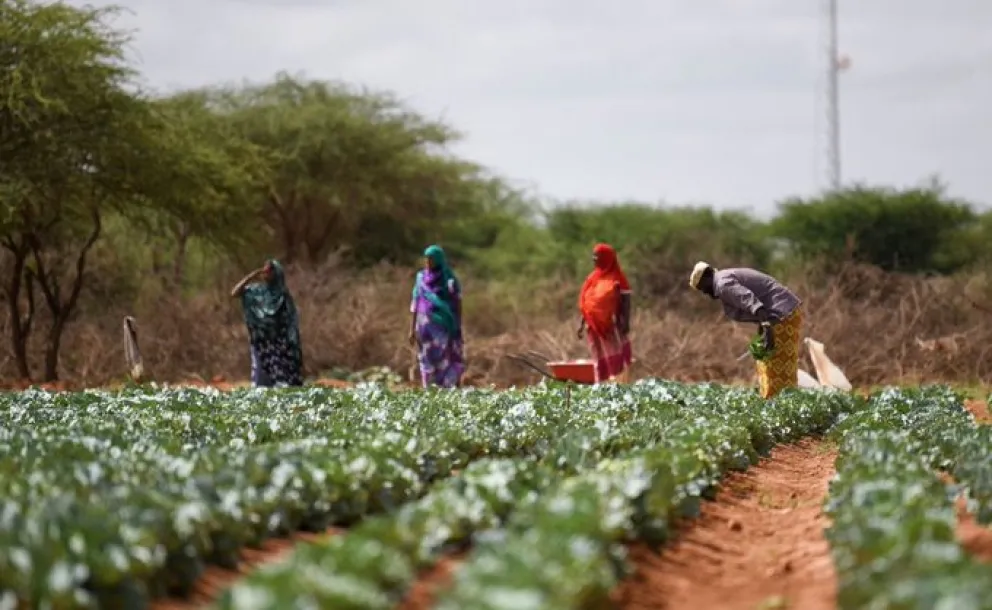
877 328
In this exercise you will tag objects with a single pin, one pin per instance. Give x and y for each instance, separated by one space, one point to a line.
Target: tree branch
77 281
28 318
49 286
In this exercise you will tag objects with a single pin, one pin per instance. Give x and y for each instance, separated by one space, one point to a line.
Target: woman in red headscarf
605 306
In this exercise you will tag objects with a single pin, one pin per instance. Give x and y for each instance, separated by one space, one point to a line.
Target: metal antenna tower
835 64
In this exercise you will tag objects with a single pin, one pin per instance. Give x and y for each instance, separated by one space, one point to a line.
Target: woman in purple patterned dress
436 322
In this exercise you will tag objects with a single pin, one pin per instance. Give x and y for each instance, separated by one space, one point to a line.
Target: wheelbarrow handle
524 361
539 355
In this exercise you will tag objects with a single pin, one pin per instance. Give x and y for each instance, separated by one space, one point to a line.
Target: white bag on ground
806 381
828 373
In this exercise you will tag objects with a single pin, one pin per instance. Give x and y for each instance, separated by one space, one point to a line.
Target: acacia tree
62 73
78 143
350 169
201 183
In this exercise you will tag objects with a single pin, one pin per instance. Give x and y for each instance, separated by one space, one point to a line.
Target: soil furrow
760 542
215 580
423 594
974 537
980 410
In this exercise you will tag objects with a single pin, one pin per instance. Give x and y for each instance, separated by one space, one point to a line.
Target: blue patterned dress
274 332
436 303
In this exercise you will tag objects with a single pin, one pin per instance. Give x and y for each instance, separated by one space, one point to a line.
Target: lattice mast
835 65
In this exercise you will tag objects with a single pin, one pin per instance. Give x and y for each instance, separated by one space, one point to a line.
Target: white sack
828 373
806 381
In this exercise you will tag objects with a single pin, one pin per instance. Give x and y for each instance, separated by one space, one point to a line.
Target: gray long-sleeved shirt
743 291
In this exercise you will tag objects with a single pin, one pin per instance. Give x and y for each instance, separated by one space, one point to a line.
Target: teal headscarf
432 284
269 308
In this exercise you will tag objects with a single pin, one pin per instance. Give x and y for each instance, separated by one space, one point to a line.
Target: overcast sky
704 101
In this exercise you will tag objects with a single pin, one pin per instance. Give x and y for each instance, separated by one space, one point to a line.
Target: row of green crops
549 532
893 530
109 500
112 499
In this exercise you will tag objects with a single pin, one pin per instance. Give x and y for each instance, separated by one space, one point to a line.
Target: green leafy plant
757 348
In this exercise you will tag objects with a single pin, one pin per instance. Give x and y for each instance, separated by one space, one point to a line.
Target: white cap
697 273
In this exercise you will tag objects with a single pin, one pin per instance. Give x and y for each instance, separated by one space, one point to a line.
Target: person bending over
750 296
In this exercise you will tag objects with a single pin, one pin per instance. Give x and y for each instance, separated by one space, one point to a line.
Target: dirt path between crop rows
215 580
761 539
423 593
974 537
980 410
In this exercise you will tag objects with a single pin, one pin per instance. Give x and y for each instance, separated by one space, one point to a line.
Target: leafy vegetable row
126 496
548 529
564 551
893 519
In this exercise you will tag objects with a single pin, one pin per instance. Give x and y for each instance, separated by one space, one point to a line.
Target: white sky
709 101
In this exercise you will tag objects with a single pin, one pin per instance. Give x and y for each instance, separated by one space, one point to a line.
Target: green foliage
893 519
653 242
66 125
548 516
914 230
83 147
756 347
355 171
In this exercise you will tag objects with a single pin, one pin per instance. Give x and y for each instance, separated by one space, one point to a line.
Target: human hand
767 337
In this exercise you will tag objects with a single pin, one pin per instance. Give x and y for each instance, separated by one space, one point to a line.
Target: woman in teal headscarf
273 327
436 324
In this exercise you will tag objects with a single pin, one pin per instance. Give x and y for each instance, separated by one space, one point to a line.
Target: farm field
653 495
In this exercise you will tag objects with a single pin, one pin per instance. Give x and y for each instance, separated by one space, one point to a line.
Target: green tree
350 170
202 185
911 230
657 243
62 79
79 144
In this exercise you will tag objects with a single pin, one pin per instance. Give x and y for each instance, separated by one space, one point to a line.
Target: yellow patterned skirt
781 369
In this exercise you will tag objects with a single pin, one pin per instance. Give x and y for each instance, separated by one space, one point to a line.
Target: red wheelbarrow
576 371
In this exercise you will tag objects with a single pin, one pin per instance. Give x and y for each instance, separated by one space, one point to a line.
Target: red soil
975 538
216 580
980 410
423 593
760 543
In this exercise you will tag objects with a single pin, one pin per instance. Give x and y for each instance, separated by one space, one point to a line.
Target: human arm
412 335
744 302
749 308
455 291
623 312
239 288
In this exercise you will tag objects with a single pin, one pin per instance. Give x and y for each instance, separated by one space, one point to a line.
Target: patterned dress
743 292
599 304
436 303
781 369
273 331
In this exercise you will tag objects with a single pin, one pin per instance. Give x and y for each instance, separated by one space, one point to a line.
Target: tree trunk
179 264
20 327
52 347
51 289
